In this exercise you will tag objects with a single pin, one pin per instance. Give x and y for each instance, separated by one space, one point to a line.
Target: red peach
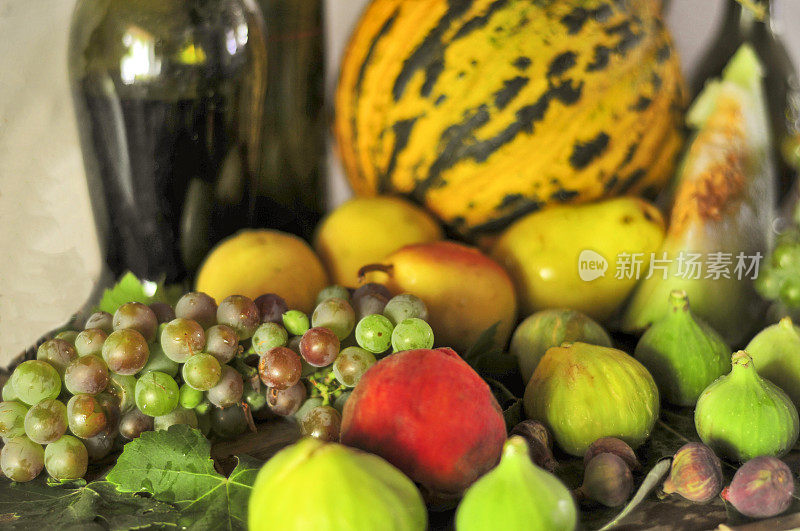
429 414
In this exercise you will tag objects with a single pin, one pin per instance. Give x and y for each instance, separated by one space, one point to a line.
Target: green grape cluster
779 278
212 367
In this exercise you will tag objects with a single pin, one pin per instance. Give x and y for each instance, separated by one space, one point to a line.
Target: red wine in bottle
169 96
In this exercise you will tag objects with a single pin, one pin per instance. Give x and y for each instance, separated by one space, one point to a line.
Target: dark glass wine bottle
741 24
169 96
294 130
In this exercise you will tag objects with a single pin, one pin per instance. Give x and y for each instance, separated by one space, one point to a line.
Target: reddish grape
125 352
271 307
199 307
286 402
164 312
136 316
87 374
86 416
319 347
240 313
322 422
58 353
280 368
102 320
222 342
182 338
229 390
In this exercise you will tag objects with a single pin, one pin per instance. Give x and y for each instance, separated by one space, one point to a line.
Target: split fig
612 445
607 480
539 441
695 474
762 487
330 487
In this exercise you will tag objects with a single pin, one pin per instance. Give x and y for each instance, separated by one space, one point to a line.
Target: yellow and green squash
484 110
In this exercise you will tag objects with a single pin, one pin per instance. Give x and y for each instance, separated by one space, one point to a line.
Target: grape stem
326 386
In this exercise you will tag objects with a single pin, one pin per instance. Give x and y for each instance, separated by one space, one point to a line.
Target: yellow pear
465 291
366 229
582 257
254 262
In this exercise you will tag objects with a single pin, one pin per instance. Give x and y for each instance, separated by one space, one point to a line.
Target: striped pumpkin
485 110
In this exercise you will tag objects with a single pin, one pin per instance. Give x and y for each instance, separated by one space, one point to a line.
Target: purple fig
607 480
612 445
762 487
696 473
539 441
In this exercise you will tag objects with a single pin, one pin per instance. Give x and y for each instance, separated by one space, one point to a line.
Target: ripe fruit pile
200 364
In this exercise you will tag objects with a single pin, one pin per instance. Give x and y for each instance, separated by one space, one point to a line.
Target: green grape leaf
97 505
175 466
482 346
130 289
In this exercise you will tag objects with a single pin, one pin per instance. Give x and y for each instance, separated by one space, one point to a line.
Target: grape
222 342
286 402
340 401
178 415
111 407
204 422
336 315
68 336
307 406
371 289
163 312
296 322
240 313
57 352
790 292
85 416
99 446
199 307
229 389
786 256
202 372
182 338
125 351
8 393
333 292
158 361
123 388
90 342
66 458
268 336
405 306
189 398
21 459
374 333
271 307
319 347
46 422
322 422
351 364
136 316
254 398
156 394
87 374
12 419
280 368
411 334
369 304
134 423
102 320
294 344
34 381
229 422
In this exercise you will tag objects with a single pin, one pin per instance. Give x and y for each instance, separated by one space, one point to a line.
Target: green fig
742 415
330 487
584 392
683 353
549 328
517 494
776 356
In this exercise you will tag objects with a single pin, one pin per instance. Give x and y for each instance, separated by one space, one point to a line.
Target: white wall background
49 258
